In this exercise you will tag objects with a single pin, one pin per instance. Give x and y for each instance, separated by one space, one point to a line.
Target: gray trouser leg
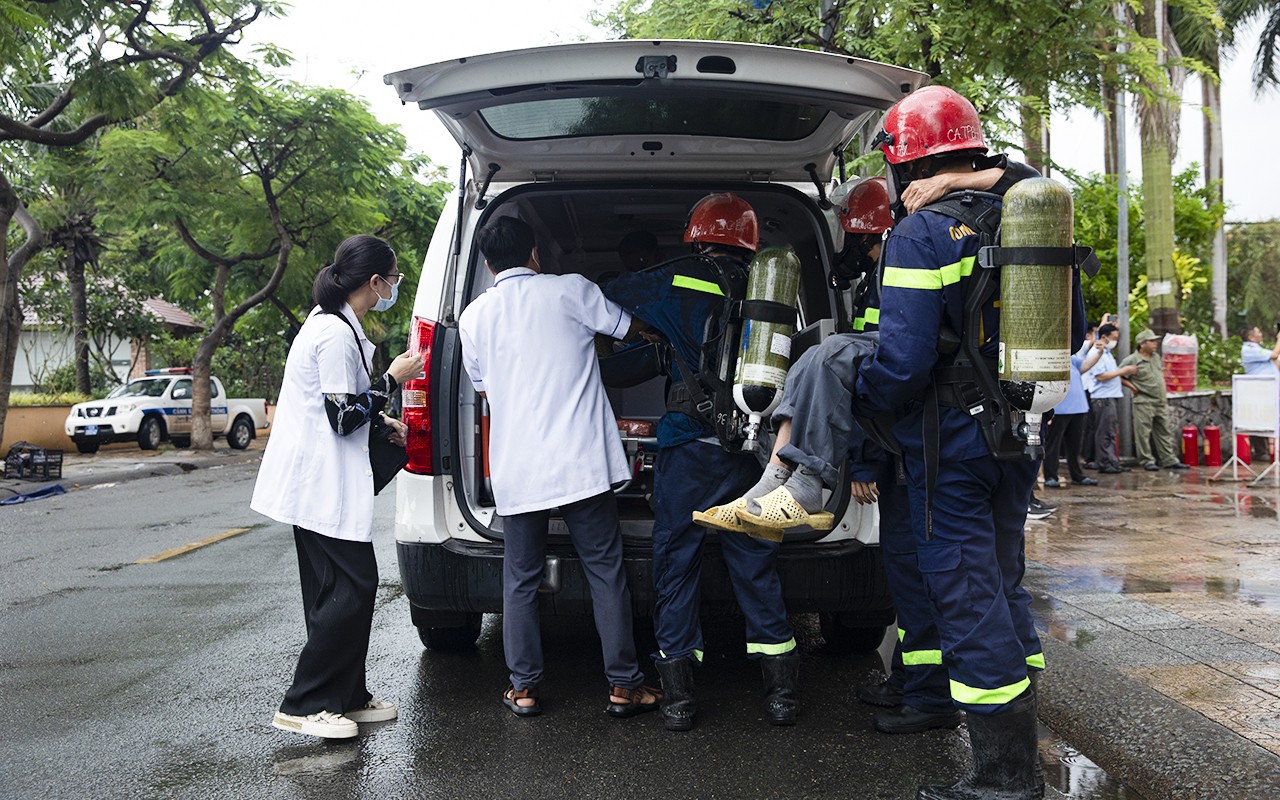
1105 434
524 546
818 402
597 536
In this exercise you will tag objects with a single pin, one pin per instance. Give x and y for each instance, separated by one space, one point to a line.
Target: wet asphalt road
125 680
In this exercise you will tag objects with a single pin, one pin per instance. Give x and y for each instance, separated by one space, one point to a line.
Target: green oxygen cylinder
1035 302
765 353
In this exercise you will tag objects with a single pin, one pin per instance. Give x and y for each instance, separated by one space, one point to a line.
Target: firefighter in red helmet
685 301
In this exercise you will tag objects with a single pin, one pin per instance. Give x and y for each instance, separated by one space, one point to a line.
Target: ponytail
356 260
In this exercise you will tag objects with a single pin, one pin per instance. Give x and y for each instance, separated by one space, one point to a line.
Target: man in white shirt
1254 357
527 344
1105 397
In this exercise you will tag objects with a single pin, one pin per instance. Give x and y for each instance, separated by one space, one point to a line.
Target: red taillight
416 399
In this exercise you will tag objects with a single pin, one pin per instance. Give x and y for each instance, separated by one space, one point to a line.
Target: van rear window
731 117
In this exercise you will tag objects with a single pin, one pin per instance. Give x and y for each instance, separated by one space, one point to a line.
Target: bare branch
213 258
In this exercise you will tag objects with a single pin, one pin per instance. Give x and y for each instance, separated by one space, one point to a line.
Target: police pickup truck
158 407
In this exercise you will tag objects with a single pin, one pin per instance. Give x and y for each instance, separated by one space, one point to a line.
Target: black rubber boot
781 673
679 705
909 719
1005 758
888 692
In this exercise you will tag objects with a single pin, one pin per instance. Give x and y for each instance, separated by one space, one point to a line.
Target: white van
587 143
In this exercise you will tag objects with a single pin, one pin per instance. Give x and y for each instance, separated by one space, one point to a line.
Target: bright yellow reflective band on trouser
903 278
920 658
902 635
772 649
1036 661
685 282
988 697
869 317
696 654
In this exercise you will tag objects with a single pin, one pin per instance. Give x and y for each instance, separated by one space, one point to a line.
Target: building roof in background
169 315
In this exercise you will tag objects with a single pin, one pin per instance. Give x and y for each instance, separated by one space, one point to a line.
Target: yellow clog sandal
780 511
724 518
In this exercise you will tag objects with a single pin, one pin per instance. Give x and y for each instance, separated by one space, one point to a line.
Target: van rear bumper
465 576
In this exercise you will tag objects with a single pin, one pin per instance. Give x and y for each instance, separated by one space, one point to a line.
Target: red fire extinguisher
1212 446
1243 450
1191 446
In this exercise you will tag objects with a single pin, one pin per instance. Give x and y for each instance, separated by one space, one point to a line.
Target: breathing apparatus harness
964 377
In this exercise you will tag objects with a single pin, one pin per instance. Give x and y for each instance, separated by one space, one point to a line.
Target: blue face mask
387 302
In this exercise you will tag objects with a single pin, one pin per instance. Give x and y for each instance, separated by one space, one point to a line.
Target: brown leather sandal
511 699
633 701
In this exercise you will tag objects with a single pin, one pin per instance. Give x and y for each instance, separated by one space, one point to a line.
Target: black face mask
853 262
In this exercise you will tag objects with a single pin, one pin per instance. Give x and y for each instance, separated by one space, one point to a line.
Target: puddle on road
1072 773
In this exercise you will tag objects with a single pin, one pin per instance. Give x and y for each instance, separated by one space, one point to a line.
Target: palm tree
1237 15
1159 130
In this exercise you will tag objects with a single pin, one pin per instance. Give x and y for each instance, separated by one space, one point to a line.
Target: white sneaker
325 724
373 711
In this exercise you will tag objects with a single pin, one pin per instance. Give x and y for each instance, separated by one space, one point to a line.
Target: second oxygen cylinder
765 353
1035 300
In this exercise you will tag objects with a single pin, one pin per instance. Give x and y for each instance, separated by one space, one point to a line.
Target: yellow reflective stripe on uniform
1036 661
872 316
988 697
902 635
859 323
772 649
902 278
698 654
685 282
919 658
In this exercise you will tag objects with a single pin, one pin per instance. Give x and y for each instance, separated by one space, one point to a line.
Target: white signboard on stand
1255 411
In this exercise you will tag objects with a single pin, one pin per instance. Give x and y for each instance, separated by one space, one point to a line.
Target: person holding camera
316 476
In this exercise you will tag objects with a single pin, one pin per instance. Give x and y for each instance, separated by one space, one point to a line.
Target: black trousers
339 585
1068 429
1087 450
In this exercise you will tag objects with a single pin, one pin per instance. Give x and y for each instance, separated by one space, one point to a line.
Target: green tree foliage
251 189
1005 57
1254 283
1196 212
73 68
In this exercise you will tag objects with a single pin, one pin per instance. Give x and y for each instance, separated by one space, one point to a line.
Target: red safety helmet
927 122
866 210
723 219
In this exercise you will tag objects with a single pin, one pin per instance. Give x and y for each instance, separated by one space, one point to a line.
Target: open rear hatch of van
675 108
590 141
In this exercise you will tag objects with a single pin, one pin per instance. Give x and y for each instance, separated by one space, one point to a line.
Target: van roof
665 108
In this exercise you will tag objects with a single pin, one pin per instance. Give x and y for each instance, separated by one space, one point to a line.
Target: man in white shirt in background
1254 357
1256 360
1106 395
528 346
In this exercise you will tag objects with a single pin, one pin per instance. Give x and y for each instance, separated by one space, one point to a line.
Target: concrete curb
129 470
1160 748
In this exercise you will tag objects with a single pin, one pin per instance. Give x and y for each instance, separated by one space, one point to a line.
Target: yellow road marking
187 548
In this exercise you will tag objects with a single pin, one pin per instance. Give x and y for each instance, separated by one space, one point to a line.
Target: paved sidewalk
1173 582
122 462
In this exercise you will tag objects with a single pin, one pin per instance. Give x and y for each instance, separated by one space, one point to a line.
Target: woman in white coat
315 476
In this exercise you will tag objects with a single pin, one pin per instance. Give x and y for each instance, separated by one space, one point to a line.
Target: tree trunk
201 372
1033 133
1211 94
1110 96
11 264
1157 223
1158 115
79 318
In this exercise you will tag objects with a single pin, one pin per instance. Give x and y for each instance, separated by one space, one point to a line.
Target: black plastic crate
25 461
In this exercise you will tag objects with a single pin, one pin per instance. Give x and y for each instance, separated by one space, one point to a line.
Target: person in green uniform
1150 406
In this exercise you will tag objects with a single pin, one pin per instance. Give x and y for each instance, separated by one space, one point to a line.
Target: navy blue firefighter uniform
692 471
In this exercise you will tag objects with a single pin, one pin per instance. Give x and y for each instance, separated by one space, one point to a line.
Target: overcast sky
335 44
